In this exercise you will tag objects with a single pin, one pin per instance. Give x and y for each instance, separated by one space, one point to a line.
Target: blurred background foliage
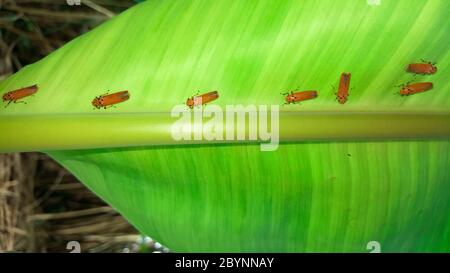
31 29
43 206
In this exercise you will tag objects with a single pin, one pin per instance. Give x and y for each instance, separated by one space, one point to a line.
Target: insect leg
402 85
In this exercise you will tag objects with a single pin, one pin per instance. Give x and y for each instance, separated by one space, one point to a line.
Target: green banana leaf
373 169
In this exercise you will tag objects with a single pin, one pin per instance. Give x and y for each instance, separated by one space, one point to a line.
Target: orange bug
344 86
202 99
414 88
425 68
295 97
108 100
16 95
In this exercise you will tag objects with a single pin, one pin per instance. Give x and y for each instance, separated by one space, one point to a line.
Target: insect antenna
403 84
333 88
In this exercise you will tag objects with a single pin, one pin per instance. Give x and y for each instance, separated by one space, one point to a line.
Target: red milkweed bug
414 88
16 95
202 99
109 100
295 97
424 68
344 86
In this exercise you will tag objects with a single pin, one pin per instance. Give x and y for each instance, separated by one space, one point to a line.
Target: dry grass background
42 206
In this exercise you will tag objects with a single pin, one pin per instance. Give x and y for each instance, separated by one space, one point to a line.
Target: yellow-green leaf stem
62 132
